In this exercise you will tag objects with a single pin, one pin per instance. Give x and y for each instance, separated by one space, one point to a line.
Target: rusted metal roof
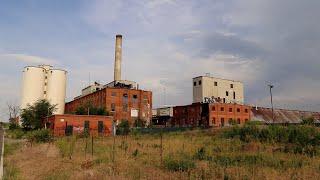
282 115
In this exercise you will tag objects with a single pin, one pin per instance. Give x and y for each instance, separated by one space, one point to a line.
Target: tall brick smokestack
118 58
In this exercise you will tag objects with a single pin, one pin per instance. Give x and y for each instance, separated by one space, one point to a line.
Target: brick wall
58 124
119 102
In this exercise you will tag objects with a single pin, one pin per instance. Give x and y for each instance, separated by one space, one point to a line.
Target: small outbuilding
70 124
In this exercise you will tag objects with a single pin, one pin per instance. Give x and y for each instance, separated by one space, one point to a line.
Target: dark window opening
214 120
246 110
231 85
200 82
194 83
234 95
113 107
238 109
213 108
224 100
227 93
100 127
230 109
238 120
222 108
125 107
215 83
222 121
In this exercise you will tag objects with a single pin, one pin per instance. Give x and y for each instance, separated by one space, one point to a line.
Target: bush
302 139
123 128
200 154
16 133
180 162
40 136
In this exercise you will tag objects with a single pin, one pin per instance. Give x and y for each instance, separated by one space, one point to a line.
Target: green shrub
63 147
40 136
123 128
16 133
200 154
179 162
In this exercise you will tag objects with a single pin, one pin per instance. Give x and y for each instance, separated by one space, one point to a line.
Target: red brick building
210 115
69 124
222 114
122 103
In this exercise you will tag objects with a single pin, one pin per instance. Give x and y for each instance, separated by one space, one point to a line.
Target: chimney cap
118 35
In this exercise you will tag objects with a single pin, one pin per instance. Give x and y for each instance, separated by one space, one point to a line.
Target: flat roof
218 78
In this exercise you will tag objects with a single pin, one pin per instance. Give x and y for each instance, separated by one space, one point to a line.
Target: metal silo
56 88
33 79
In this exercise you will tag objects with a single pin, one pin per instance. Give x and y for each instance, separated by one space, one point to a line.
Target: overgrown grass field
250 152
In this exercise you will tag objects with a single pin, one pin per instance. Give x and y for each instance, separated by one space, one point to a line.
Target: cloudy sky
166 43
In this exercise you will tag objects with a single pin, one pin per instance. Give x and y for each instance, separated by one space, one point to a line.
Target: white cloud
27 59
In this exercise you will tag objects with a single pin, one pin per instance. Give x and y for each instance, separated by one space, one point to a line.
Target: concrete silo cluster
44 82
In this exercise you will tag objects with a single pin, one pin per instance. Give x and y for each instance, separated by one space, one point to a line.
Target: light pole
270 87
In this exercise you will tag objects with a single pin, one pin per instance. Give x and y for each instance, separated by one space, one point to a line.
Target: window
134 98
125 107
215 83
234 95
238 120
230 121
113 107
213 108
113 94
200 82
246 110
125 98
227 93
86 125
100 127
46 77
45 84
213 120
222 108
224 100
45 92
230 109
238 109
231 85
194 83
222 121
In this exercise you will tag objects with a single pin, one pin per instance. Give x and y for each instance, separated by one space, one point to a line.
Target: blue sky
166 43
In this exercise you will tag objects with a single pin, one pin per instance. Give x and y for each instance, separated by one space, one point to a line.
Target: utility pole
270 87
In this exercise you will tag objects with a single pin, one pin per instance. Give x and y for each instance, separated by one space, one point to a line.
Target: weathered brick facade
122 103
76 123
210 115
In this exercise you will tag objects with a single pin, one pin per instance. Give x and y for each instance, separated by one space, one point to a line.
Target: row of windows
134 96
230 109
215 83
230 121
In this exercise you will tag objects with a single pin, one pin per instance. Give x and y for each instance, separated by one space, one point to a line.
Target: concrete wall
205 86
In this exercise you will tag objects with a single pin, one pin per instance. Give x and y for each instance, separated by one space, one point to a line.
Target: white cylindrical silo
56 88
33 79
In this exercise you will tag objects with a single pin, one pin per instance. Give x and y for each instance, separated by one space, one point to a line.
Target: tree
139 123
308 121
123 128
89 109
35 116
13 112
